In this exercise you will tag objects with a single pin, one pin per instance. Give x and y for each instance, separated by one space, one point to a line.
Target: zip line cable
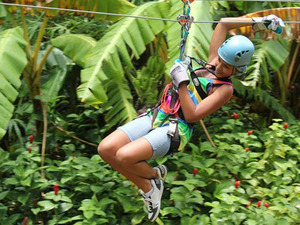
126 15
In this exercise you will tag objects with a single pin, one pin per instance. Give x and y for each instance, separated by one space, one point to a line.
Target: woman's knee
105 149
111 144
124 157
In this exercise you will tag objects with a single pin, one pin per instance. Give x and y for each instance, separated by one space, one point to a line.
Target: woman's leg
128 158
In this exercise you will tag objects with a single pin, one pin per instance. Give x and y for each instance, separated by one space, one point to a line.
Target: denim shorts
158 138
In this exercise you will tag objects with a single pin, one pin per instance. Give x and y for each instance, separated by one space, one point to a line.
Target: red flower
237 183
285 126
25 221
195 171
29 149
267 205
247 206
258 204
31 137
250 132
56 189
247 149
235 116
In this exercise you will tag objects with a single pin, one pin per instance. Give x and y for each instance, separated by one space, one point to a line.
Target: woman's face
223 69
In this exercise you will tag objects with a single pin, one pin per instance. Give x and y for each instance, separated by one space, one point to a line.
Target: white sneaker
152 202
162 171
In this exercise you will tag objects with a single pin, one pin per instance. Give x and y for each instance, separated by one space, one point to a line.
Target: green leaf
23 198
264 97
254 69
224 187
47 205
276 60
188 186
3 194
137 218
110 55
64 206
127 205
88 214
11 181
75 46
170 210
11 67
70 219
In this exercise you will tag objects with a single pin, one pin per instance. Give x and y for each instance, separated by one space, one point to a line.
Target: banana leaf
57 64
12 62
104 66
3 12
266 51
75 46
200 33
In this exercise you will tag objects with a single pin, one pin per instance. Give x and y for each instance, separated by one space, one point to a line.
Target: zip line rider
152 136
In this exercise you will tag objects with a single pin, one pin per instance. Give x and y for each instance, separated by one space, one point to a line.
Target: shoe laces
149 203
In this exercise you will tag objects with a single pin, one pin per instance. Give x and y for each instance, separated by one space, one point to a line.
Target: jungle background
67 79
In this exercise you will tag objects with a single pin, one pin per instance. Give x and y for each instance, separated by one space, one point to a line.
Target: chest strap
197 85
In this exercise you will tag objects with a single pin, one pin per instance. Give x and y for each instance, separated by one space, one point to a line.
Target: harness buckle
173 122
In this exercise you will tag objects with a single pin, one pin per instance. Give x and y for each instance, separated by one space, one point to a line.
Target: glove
179 72
270 22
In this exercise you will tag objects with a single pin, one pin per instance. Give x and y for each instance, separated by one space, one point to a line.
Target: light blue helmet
237 51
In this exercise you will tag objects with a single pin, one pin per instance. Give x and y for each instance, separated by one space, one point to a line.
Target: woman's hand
270 22
179 72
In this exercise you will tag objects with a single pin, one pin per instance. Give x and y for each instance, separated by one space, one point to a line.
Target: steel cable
126 15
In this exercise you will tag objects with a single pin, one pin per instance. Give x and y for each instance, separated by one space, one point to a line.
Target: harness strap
197 85
174 134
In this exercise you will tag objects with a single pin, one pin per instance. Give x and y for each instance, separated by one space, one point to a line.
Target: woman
128 148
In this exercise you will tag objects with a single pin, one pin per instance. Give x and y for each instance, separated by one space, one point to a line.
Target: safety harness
169 102
170 105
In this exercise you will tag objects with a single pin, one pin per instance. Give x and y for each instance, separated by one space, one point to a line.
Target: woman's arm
220 33
210 104
222 94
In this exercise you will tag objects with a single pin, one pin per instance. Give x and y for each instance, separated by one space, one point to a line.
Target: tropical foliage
11 41
251 178
68 79
103 78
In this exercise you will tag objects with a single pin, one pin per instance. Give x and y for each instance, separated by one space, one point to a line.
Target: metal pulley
185 20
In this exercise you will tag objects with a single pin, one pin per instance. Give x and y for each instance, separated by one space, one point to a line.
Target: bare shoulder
225 90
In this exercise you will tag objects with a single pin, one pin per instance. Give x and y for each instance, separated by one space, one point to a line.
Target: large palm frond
105 64
200 33
77 47
103 75
12 62
264 97
266 54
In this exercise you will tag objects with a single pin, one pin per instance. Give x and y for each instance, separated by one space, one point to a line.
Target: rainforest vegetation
69 78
